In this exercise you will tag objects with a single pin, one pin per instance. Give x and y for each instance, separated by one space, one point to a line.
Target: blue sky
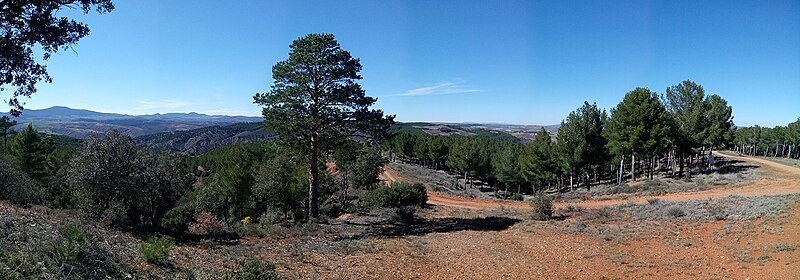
523 62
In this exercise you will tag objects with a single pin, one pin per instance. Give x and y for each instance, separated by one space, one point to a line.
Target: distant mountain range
82 124
194 134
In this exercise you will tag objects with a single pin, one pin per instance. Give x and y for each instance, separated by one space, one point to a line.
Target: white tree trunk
633 167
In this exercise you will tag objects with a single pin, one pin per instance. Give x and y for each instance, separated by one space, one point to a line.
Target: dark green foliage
5 128
366 168
506 165
697 120
228 191
398 194
103 175
313 111
17 187
156 250
207 198
581 143
331 210
538 162
70 252
162 180
517 197
27 24
115 180
280 184
178 218
253 269
542 208
30 149
719 132
684 102
404 214
638 126
780 141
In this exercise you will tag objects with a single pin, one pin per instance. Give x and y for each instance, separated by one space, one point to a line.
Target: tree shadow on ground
442 225
728 166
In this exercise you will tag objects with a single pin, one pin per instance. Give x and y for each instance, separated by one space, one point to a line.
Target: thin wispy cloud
441 88
162 104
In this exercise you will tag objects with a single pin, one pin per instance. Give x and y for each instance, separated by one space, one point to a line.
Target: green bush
398 194
517 197
156 250
253 269
178 218
404 214
542 207
332 210
71 251
17 186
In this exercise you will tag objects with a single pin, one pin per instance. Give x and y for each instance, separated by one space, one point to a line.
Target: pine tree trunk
571 182
313 186
621 167
465 180
633 167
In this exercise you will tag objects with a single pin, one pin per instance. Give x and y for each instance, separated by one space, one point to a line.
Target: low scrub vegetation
253 269
36 249
156 250
542 207
398 194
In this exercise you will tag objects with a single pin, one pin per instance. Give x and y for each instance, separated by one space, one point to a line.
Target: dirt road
786 181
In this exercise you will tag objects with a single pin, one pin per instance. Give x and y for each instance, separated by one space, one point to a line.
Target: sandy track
774 167
787 181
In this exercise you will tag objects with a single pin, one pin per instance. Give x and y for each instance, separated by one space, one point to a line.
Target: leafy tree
368 166
103 174
235 177
161 179
16 186
718 132
581 142
638 126
421 150
30 149
315 103
537 163
464 157
279 184
5 127
437 151
506 166
685 104
25 24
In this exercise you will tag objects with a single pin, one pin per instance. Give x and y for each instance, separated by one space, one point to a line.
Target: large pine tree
315 103
638 127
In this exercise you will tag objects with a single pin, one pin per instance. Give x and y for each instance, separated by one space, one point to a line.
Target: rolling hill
82 124
198 141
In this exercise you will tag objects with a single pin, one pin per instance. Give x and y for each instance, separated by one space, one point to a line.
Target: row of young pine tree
644 134
780 141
